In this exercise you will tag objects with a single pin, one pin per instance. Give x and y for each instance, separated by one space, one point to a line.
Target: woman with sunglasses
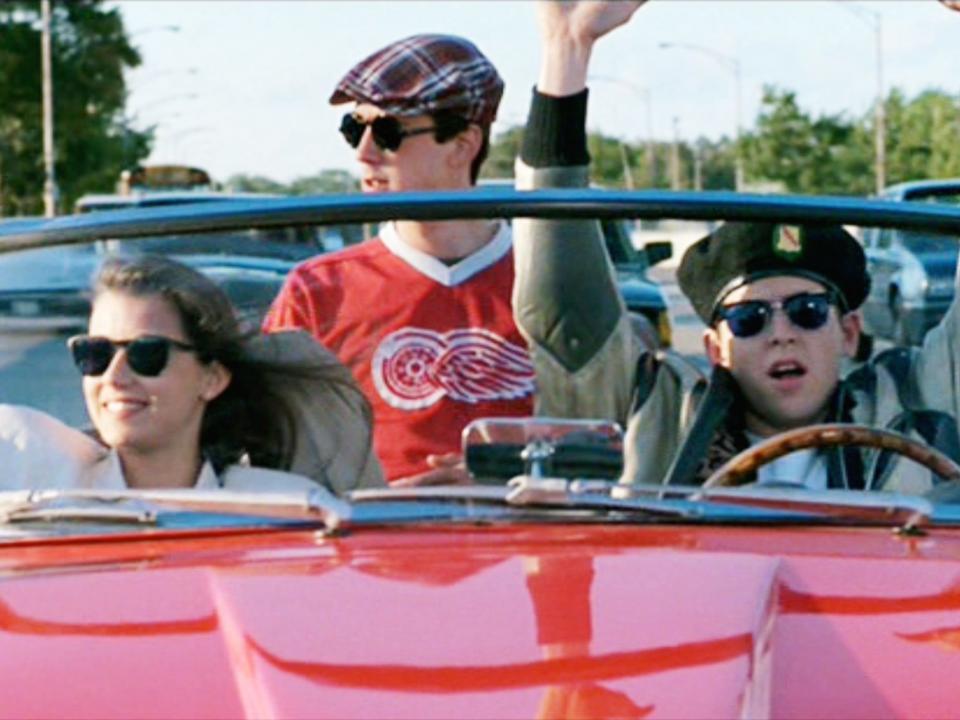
180 397
780 306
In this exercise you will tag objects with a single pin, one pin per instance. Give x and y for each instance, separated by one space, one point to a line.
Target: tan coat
334 437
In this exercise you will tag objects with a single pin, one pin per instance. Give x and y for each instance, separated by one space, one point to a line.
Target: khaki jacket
334 436
591 364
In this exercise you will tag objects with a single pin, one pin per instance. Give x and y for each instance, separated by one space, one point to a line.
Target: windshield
205 279
251 264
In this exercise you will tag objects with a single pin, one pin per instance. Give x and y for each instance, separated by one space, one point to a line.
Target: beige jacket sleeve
585 359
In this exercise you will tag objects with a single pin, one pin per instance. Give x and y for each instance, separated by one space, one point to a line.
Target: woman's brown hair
252 417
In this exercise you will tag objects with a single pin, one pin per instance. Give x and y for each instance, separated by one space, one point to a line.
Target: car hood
548 621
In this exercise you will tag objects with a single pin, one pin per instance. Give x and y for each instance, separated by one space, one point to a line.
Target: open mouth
786 369
371 184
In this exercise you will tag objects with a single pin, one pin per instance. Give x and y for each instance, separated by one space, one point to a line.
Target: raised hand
584 21
568 31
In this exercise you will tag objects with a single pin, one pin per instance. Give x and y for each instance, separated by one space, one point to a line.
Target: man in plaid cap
421 314
779 302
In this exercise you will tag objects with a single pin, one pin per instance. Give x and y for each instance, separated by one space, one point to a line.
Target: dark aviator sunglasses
147 355
387 131
807 311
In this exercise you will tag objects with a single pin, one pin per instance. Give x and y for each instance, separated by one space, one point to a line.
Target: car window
945 196
293 243
928 242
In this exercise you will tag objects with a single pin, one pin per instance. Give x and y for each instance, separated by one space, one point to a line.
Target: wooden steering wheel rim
748 461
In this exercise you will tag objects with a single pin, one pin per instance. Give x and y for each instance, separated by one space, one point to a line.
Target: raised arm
565 298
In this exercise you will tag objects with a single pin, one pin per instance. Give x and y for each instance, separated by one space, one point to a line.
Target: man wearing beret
779 302
421 314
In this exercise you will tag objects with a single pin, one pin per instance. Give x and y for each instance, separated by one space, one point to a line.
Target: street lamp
875 21
165 99
644 94
173 141
733 64
153 77
154 28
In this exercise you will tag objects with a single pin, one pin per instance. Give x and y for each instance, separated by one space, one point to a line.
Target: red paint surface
524 621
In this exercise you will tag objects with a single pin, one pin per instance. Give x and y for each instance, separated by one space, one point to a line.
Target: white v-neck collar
449 275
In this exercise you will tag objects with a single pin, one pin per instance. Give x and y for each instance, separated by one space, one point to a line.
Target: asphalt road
687 327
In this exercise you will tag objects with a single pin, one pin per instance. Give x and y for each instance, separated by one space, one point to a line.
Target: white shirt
803 468
39 452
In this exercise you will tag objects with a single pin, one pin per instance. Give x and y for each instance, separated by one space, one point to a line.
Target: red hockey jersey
433 346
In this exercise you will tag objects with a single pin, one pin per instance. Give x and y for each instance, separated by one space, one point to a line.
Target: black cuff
556 133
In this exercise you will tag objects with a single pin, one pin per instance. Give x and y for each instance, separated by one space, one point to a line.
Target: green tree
254 184
93 139
326 181
504 149
923 136
826 154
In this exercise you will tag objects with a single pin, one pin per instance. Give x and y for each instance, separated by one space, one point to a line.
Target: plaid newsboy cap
737 253
423 74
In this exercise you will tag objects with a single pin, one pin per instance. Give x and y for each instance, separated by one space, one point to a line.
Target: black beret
738 252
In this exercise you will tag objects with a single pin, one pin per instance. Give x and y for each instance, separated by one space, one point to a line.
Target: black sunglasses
388 133
808 311
146 356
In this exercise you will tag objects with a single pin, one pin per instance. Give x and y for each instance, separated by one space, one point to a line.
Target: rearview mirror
497 449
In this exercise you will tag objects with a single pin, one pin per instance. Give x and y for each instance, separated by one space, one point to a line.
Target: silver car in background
912 271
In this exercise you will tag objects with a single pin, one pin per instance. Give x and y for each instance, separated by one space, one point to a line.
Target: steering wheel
748 461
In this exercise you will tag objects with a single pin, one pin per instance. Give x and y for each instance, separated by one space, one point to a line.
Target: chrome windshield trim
148 506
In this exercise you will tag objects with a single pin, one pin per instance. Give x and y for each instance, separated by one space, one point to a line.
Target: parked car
547 597
49 287
913 271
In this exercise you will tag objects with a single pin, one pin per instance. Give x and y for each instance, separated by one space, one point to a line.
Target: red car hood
528 621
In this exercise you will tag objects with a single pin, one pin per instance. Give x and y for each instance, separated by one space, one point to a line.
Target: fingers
441 476
445 461
568 31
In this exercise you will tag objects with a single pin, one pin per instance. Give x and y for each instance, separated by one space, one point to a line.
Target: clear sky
242 86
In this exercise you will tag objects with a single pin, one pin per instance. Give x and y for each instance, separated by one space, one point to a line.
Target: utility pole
880 129
698 167
50 192
627 171
675 156
731 63
644 94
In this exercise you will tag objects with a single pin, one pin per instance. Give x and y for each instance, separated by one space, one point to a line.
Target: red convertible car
556 593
